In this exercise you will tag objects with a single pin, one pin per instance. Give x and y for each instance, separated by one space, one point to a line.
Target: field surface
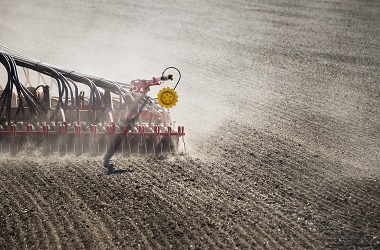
281 105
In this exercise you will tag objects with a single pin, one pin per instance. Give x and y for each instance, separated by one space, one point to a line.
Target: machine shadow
112 171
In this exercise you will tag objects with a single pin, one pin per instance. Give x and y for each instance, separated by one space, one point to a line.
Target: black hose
179 73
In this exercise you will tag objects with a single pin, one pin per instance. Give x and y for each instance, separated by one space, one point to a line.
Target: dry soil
281 104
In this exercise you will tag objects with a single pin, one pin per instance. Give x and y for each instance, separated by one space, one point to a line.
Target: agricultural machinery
80 113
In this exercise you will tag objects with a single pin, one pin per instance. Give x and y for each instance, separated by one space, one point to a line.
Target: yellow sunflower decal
167 97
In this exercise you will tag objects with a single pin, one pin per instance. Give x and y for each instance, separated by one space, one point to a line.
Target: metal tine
142 138
183 138
181 132
158 134
98 144
29 132
170 138
138 145
176 145
139 140
155 129
128 140
122 146
146 148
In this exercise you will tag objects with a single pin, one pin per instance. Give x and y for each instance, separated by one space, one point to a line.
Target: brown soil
281 105
253 190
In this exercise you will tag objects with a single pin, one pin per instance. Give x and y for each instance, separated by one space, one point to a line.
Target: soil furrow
26 207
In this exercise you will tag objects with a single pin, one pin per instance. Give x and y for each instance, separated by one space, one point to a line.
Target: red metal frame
110 130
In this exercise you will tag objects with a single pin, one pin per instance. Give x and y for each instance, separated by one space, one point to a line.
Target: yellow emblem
167 97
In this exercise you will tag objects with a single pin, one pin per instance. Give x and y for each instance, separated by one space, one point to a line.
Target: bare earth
281 104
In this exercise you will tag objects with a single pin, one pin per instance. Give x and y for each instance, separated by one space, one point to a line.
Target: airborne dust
280 102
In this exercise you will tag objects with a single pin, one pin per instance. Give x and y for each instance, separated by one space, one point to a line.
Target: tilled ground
262 191
280 101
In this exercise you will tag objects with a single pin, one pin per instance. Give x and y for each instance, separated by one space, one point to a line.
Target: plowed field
281 105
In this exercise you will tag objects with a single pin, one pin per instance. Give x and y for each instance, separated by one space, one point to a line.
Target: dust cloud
280 103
